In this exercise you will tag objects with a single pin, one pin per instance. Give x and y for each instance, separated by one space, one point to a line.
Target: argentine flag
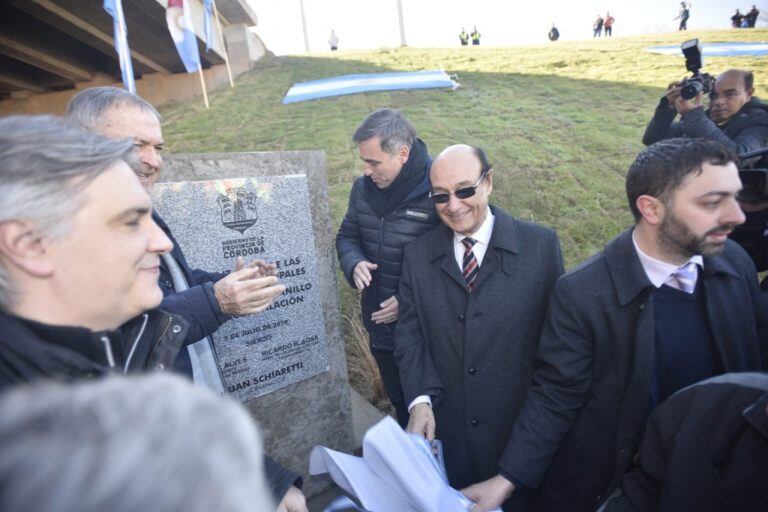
183 34
115 9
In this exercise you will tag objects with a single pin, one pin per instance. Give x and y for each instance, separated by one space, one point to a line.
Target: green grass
560 122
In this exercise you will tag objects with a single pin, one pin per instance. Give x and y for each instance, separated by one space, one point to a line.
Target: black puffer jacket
745 131
364 235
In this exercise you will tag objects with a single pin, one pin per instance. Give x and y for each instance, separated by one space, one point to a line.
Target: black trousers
390 376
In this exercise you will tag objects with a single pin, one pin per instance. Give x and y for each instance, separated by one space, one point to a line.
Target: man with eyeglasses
388 207
473 297
736 118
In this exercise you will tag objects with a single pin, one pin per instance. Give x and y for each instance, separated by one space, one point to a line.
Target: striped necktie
469 266
685 277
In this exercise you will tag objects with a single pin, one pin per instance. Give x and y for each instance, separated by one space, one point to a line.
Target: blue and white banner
183 34
115 9
208 24
351 84
718 49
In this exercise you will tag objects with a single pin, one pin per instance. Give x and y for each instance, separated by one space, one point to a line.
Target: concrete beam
20 82
95 32
41 59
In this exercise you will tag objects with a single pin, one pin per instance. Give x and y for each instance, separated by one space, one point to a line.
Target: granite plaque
312 411
264 218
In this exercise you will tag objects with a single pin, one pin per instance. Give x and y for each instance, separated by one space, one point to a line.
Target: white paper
397 473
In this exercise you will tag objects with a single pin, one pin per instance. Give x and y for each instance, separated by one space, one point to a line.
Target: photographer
753 199
735 118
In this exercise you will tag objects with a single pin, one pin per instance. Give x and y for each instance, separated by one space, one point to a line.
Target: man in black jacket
79 258
388 207
667 303
704 449
205 299
735 118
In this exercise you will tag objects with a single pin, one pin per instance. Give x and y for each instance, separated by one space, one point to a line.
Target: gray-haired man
79 258
68 448
210 297
388 207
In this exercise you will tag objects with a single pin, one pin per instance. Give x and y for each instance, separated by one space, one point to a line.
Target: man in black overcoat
667 303
474 293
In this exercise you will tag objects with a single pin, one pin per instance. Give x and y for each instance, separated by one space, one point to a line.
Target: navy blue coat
364 235
197 304
590 397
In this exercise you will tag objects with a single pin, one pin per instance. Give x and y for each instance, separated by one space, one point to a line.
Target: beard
675 237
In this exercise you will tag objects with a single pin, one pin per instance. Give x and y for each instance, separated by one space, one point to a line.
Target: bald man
736 118
474 292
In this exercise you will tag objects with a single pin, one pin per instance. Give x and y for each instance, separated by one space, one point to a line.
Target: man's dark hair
661 168
485 165
392 128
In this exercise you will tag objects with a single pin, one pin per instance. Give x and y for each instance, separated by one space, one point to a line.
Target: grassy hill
560 122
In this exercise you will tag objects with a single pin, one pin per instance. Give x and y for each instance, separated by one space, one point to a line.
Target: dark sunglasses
462 193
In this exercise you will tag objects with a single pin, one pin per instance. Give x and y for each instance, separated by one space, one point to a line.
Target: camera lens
691 89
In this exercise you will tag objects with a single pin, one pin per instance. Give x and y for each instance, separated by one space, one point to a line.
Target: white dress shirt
660 272
482 236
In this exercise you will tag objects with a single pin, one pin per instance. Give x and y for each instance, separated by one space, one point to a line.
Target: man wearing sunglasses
388 207
735 118
473 297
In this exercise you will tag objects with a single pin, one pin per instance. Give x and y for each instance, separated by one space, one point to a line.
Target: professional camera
753 234
699 82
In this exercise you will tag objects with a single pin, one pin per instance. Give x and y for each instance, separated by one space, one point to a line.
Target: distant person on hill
685 13
333 41
735 117
475 36
597 27
752 17
554 34
463 37
608 24
736 19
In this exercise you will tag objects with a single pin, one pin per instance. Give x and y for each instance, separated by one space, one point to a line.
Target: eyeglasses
462 193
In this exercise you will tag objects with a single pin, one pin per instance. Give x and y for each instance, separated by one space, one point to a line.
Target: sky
364 24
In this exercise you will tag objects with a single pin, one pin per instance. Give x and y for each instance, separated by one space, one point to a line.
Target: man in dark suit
474 293
667 303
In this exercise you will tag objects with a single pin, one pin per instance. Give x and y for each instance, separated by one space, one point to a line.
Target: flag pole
202 84
224 46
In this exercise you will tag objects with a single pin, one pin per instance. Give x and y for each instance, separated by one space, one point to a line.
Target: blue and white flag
351 84
183 34
208 24
115 9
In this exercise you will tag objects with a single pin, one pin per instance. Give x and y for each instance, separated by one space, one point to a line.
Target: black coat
364 235
706 449
590 397
746 131
31 351
474 352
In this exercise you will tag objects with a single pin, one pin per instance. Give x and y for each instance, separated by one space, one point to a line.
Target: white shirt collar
658 271
483 234
482 237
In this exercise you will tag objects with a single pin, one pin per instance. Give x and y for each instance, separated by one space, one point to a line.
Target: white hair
127 444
